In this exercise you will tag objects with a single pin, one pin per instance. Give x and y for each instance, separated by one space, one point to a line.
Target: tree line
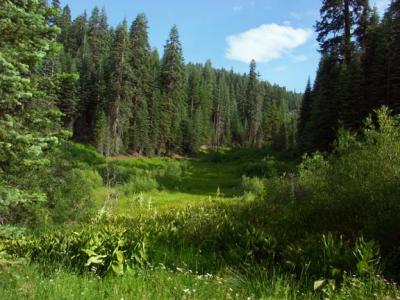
359 71
119 95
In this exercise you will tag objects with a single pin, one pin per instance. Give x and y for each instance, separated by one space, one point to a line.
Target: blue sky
278 34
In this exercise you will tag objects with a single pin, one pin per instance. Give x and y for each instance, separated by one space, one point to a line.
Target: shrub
71 198
140 183
354 190
174 171
268 167
253 186
83 155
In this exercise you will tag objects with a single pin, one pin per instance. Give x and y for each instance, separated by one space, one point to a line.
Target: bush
83 155
268 167
355 190
71 198
254 186
140 183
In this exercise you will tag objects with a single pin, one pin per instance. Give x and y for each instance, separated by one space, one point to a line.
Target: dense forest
126 174
125 98
359 71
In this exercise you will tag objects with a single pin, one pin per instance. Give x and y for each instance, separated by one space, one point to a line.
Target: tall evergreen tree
254 106
340 25
394 56
208 82
304 119
172 87
328 95
154 102
29 123
120 91
140 64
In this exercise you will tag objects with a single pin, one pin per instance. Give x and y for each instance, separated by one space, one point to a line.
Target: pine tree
68 97
193 127
328 95
208 83
375 65
220 115
98 43
140 64
172 87
352 111
64 22
120 91
254 106
29 123
304 119
341 23
154 102
394 57
79 29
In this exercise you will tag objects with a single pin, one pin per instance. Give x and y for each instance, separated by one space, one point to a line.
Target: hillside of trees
126 99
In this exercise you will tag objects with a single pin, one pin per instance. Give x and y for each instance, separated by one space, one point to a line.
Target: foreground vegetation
239 235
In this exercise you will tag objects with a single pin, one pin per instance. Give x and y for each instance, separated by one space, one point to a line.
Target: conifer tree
172 87
304 119
328 95
208 82
64 22
154 102
120 91
140 64
352 110
340 25
29 120
254 106
394 56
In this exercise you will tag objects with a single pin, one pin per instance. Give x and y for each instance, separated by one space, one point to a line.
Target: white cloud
265 43
382 5
287 23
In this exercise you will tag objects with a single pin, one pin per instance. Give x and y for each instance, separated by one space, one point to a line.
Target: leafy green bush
174 171
253 186
140 183
354 191
83 155
71 197
267 167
